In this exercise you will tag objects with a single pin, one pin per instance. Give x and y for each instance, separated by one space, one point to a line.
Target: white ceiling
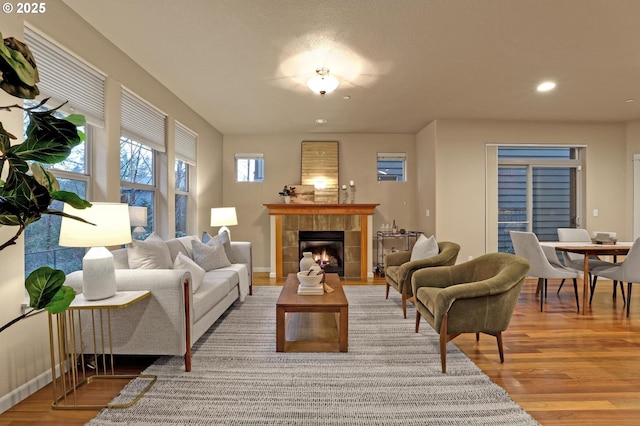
243 64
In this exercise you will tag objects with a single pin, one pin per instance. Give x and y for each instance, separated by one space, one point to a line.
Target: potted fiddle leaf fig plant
28 188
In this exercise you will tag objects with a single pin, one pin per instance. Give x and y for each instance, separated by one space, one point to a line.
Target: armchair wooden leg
387 296
404 301
417 321
628 298
477 336
500 349
444 338
575 289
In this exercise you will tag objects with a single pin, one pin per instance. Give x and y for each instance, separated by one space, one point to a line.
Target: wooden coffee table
332 306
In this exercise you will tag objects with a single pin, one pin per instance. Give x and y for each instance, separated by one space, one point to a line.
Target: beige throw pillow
197 273
151 253
211 255
424 248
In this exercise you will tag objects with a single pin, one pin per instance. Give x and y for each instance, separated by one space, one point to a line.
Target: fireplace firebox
327 248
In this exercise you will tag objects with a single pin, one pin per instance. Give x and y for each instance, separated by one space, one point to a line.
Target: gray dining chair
543 265
627 271
576 260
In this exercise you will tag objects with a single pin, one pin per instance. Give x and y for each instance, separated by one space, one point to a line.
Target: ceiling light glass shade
223 217
546 86
109 225
323 83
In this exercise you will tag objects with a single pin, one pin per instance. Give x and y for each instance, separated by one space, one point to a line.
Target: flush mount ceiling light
546 86
321 120
323 83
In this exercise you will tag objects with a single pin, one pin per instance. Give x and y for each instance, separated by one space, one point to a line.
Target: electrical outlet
428 213
595 212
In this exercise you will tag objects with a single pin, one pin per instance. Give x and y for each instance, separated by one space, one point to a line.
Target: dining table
586 249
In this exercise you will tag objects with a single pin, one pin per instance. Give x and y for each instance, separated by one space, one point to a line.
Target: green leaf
10 215
44 177
77 120
18 69
42 286
20 66
61 301
5 139
42 151
70 198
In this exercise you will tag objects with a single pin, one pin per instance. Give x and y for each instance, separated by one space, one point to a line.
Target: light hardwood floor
561 367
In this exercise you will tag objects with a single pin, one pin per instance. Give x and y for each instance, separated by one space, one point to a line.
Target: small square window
392 166
249 167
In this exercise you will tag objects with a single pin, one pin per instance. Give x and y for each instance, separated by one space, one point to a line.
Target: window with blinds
142 122
65 78
391 166
185 144
249 167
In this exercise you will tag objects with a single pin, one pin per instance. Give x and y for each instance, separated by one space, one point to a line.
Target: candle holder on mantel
353 194
344 194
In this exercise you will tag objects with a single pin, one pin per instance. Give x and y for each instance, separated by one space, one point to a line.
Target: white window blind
391 166
185 144
249 156
142 122
65 78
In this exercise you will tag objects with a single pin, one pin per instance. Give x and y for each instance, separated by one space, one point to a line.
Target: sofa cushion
211 255
393 272
151 253
212 290
197 273
424 248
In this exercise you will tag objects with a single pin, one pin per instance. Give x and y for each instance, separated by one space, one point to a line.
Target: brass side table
71 362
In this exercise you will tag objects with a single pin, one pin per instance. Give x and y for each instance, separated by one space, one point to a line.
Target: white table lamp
138 219
110 227
224 217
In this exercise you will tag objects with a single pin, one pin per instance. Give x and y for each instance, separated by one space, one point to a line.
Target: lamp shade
138 216
223 216
111 226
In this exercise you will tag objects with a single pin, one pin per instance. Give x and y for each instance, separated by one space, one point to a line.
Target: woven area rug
390 376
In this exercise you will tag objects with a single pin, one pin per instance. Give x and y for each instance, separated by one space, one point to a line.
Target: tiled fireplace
351 221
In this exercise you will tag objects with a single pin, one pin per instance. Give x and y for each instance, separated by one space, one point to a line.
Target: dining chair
576 260
627 271
543 266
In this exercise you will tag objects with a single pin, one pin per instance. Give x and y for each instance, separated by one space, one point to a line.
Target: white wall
24 351
426 174
282 153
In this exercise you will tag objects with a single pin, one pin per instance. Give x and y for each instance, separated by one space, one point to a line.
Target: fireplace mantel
293 208
355 219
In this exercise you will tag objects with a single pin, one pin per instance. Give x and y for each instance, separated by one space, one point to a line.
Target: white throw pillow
424 248
151 253
197 273
211 255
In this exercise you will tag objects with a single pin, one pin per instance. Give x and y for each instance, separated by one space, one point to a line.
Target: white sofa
160 324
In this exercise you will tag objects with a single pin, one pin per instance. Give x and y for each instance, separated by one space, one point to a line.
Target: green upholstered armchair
398 268
478 296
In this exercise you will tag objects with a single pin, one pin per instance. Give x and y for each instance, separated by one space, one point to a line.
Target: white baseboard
24 391
262 269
